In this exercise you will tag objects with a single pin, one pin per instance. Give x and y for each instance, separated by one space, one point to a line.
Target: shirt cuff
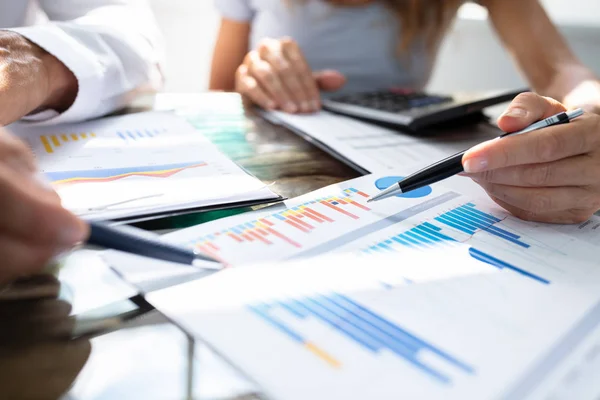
40 116
83 63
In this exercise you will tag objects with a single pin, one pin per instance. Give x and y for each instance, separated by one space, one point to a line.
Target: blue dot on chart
384 183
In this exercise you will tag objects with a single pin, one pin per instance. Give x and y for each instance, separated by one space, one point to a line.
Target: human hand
549 175
277 76
34 227
31 78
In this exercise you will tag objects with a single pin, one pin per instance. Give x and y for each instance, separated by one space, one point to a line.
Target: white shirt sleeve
113 48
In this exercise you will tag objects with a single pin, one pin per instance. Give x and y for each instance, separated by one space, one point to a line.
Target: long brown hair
428 19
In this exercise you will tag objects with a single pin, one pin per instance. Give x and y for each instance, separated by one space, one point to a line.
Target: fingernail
270 105
305 106
72 234
290 107
516 112
314 104
475 165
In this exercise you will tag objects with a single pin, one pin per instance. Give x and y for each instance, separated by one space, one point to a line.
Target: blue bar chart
466 219
363 327
469 219
140 134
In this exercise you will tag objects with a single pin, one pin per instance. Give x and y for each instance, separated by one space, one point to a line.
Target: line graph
113 174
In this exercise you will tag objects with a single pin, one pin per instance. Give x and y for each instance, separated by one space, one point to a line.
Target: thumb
526 109
329 80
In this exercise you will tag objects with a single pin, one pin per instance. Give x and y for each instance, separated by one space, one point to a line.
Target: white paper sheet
474 300
137 164
378 149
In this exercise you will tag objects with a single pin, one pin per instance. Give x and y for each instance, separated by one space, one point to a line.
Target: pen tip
370 199
207 265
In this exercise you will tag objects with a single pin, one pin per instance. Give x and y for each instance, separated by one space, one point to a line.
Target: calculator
414 110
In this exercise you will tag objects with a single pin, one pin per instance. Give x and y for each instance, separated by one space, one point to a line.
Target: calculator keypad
392 101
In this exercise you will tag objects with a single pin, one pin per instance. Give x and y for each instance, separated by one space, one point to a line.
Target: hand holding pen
550 174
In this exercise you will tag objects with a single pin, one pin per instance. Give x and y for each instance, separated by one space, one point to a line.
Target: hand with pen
34 227
550 175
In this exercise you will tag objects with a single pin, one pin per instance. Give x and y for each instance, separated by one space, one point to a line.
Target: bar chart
466 219
136 163
54 142
434 297
129 136
346 222
363 327
298 221
51 143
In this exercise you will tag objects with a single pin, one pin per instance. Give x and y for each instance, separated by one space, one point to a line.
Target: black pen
127 240
453 165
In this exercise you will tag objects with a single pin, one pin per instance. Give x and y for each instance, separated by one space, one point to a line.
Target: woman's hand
549 175
277 76
34 227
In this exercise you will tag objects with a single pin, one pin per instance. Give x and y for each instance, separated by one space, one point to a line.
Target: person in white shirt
61 61
86 61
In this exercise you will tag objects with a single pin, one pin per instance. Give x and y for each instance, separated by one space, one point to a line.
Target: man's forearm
31 79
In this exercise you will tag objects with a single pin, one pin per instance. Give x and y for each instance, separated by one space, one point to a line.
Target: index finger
293 53
544 145
35 214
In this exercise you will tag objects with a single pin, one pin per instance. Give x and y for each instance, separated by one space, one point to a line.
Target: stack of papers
375 149
431 294
138 165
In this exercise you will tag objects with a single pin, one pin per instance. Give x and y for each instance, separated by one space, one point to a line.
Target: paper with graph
431 294
378 149
137 164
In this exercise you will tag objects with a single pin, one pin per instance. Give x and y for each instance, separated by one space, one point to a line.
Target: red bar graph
319 215
247 237
283 237
313 217
258 237
212 247
354 203
297 226
235 237
341 211
259 230
302 223
288 226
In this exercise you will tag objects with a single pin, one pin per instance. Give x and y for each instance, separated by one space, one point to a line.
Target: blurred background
470 59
